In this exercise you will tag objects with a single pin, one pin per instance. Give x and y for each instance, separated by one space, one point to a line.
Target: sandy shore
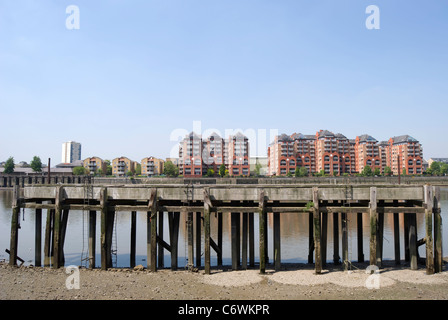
296 282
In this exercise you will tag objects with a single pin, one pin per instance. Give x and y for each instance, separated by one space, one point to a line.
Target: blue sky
137 73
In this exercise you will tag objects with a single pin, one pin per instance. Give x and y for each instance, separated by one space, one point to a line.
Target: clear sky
137 75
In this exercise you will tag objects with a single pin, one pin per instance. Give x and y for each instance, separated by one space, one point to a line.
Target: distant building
94 164
335 154
71 151
122 165
152 166
198 155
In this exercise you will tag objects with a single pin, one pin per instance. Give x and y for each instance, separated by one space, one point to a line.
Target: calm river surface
294 233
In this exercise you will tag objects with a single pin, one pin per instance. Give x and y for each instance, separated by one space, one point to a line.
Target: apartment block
152 166
122 165
198 155
71 151
335 154
93 164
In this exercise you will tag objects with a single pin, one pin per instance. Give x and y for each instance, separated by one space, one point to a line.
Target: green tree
170 169
257 168
222 170
367 171
138 169
129 173
99 172
435 167
444 168
79 171
387 171
9 165
377 172
36 164
210 173
301 172
289 174
403 171
108 168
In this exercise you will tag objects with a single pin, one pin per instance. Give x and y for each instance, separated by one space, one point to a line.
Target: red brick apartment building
335 154
198 155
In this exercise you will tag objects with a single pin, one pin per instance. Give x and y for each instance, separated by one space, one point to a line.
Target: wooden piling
380 239
38 237
373 225
57 228
413 240
429 201
190 240
316 224
336 257
103 204
438 253
277 250
133 238
251 240
406 236
310 237
152 206
173 222
109 235
198 239
92 238
261 224
207 208
360 237
13 245
219 239
396 234
344 230
234 217
161 254
48 236
244 242
324 234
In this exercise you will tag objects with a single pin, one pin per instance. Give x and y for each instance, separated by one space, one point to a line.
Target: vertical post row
316 224
373 225
152 205
428 238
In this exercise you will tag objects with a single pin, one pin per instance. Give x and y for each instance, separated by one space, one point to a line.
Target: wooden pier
204 203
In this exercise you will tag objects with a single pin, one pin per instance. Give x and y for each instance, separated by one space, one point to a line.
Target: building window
236 171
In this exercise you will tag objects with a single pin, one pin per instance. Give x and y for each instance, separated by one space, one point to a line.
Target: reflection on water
294 233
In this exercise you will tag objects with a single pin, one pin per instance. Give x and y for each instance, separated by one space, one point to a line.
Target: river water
294 233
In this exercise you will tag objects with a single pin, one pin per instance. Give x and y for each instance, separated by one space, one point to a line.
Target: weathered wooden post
103 204
373 225
360 237
344 229
57 228
220 238
161 260
152 208
133 238
261 224
92 238
173 222
251 240
429 201
190 240
207 208
379 239
413 240
234 217
396 234
438 253
13 246
48 237
277 247
38 237
324 234
310 237
316 224
336 256
244 242
198 239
